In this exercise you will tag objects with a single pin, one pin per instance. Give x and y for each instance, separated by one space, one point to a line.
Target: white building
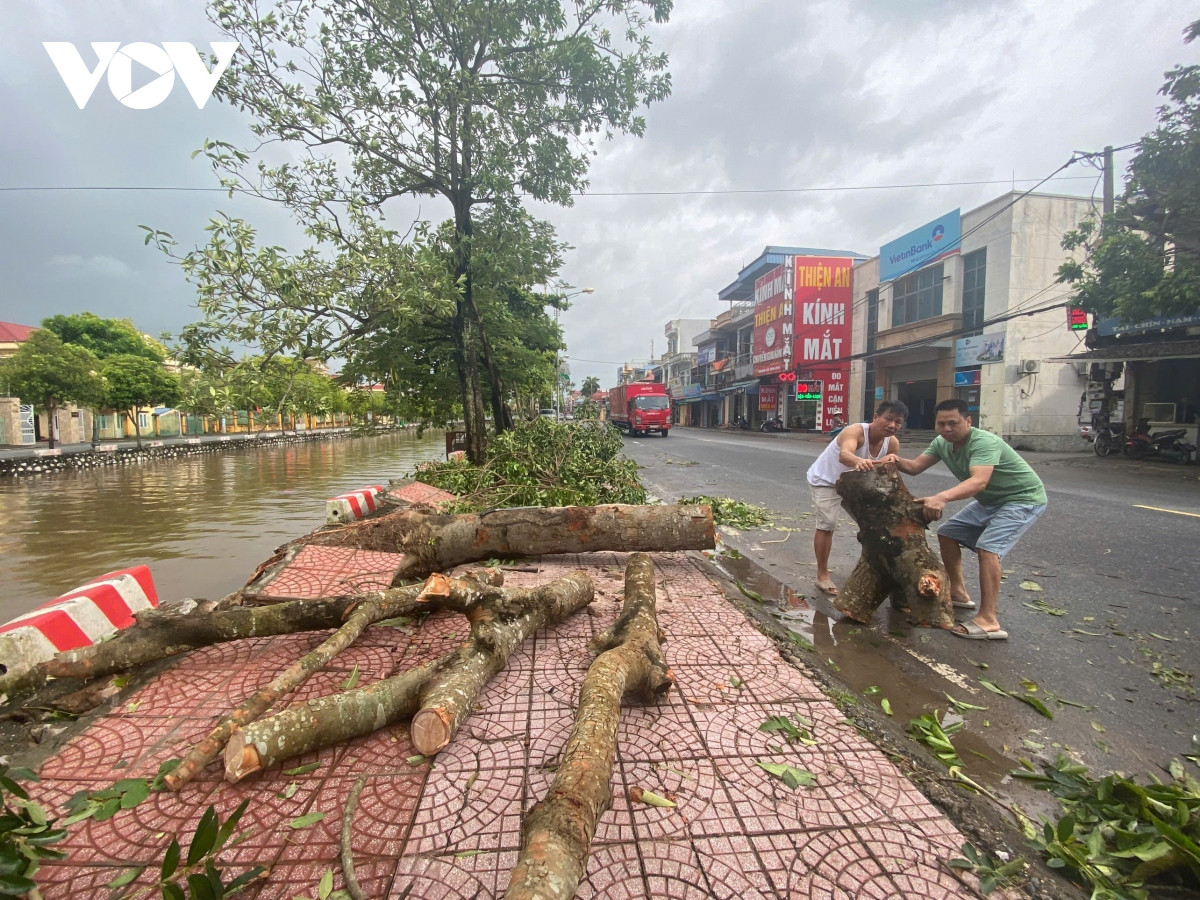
968 306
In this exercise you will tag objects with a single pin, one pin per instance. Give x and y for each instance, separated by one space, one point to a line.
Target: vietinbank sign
927 244
162 62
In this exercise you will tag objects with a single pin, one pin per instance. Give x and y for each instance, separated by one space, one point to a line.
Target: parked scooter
1170 445
775 424
1107 437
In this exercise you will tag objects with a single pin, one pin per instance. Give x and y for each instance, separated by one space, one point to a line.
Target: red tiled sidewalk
452 828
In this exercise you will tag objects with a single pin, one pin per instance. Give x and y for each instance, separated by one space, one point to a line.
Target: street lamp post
559 374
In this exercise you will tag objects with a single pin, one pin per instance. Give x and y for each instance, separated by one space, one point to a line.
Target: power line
679 193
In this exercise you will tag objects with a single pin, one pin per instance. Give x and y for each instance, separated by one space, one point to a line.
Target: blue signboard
1110 326
927 244
705 355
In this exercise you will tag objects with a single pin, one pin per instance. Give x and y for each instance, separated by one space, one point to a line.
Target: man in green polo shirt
1009 497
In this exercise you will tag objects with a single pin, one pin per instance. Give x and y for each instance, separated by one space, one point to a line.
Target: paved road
1117 557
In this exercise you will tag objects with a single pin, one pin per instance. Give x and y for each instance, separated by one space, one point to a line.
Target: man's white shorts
828 505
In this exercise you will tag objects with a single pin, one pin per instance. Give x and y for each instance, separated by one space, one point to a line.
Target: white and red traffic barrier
78 618
353 505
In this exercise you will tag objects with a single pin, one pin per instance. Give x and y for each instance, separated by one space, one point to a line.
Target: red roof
12 332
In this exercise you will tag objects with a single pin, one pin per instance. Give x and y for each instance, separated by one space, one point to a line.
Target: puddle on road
860 657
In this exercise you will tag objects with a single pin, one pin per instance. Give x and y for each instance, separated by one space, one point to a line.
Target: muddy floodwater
202 524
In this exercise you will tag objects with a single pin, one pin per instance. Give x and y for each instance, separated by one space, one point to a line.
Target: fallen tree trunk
434 543
558 831
896 559
372 609
326 720
498 626
343 716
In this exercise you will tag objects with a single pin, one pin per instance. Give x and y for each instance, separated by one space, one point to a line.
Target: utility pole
1109 199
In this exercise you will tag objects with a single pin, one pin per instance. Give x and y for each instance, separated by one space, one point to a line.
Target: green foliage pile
1116 835
734 513
543 463
26 833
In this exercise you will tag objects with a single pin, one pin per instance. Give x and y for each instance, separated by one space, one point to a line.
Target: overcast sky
820 108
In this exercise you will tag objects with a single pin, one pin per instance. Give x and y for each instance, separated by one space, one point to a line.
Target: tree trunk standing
498 627
468 377
137 430
434 543
896 559
51 422
558 830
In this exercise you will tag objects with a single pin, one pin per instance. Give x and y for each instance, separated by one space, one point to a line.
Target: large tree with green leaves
1143 260
133 381
104 337
50 373
477 102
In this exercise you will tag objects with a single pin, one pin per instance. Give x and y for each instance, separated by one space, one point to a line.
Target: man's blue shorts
991 528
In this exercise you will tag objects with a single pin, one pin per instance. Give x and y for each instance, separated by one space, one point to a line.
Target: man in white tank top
858 447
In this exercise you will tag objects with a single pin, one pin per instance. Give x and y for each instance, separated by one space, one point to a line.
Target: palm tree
591 384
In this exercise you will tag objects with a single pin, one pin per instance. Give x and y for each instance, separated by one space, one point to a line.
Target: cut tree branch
558 831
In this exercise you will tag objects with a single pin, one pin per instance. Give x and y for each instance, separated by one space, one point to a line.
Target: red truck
640 407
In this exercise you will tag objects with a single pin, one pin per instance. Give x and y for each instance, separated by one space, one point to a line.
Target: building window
974 271
917 296
869 373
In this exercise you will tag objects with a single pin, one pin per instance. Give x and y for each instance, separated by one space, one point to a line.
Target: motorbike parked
1107 437
1170 445
775 424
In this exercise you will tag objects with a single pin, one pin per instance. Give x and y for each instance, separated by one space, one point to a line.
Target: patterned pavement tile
550 725
481 876
69 881
916 860
734 851
106 750
178 691
766 805
385 811
265 827
328 571
702 806
301 879
769 679
736 730
678 870
468 811
660 732
703 683
832 865
382 752
498 723
614 872
227 655
469 754
176 744
139 835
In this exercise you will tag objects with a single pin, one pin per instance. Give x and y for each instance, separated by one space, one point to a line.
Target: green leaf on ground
304 821
789 775
303 770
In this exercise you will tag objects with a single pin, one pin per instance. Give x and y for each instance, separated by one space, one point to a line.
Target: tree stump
896 560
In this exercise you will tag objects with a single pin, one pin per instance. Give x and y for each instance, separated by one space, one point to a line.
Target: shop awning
1136 352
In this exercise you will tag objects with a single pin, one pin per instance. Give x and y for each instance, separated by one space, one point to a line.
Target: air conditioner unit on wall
1030 366
1081 367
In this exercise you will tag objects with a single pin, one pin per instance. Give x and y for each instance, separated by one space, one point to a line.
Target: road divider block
353 505
78 618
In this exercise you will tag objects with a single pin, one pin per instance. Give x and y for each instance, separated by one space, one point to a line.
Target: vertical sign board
771 350
823 300
768 398
1077 319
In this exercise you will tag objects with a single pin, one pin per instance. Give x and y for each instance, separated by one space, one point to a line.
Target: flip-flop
963 604
973 632
828 588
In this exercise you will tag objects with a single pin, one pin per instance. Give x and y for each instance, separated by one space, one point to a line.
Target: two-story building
968 306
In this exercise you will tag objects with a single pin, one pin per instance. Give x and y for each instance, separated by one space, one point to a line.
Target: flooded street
202 524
